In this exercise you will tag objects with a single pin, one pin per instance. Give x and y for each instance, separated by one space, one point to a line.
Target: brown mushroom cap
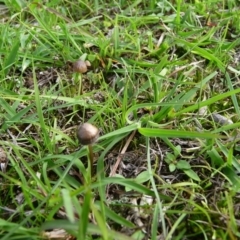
87 134
81 66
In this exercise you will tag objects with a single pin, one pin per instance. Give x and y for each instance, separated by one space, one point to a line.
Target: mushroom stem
80 88
78 80
87 135
80 67
90 149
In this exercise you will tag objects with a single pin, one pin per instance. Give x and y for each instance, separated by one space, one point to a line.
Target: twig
119 158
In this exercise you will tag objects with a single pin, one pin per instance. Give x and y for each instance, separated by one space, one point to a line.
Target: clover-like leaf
142 177
169 158
172 167
182 164
192 174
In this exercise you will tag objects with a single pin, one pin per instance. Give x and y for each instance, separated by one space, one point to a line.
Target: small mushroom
81 66
88 134
3 160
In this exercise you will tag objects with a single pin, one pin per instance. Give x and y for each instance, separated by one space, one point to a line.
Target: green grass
160 70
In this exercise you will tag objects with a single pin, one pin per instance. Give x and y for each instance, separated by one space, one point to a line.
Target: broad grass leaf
163 133
68 204
232 176
73 228
114 216
10 59
84 216
216 159
207 102
133 185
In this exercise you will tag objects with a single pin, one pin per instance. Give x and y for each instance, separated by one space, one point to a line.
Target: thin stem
90 149
78 80
80 87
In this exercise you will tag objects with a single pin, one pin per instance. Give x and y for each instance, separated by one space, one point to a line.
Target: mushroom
88 134
80 67
3 160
